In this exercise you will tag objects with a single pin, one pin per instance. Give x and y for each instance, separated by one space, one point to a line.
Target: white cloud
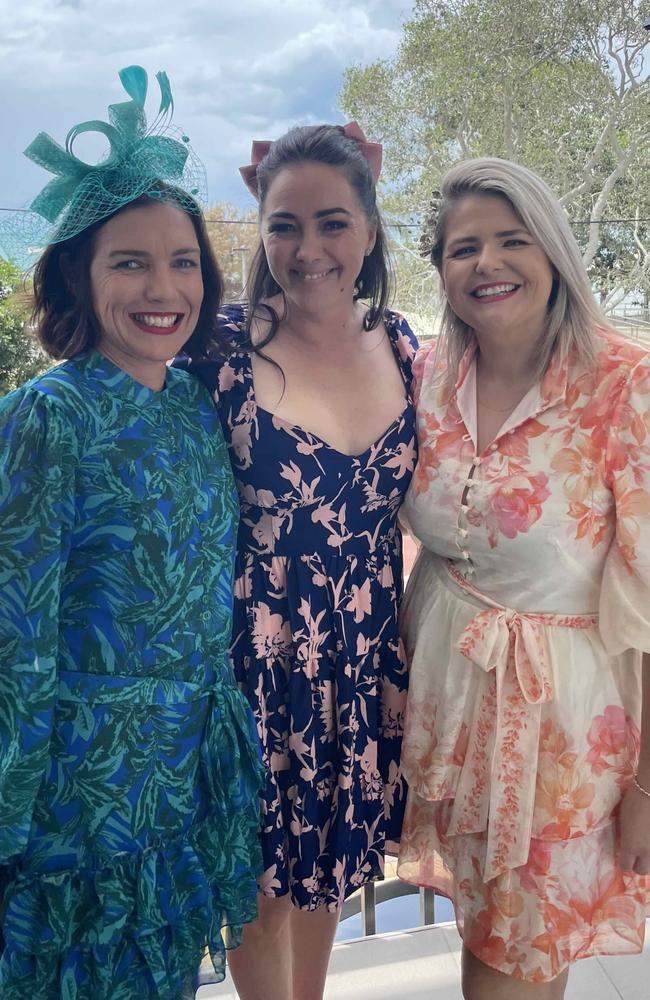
239 70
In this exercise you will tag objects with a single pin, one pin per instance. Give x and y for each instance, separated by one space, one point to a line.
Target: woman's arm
635 807
36 512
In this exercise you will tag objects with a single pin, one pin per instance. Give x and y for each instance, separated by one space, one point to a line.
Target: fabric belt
496 787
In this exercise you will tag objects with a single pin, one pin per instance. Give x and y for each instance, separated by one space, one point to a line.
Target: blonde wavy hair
573 313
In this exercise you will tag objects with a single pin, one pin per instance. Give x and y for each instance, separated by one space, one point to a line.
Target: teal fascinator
154 160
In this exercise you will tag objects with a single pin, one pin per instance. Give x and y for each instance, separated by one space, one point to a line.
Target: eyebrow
143 253
502 233
317 215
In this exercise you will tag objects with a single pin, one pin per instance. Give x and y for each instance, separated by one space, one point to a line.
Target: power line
392 225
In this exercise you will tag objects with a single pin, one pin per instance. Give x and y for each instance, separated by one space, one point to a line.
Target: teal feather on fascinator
154 160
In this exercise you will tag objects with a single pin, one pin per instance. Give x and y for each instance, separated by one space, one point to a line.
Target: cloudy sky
239 69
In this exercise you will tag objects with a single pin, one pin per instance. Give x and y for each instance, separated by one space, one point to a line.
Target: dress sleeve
37 475
405 343
422 363
625 592
217 373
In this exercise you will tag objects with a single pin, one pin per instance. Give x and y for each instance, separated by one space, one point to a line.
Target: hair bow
260 147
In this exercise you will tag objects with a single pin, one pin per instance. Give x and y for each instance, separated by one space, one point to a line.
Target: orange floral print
524 621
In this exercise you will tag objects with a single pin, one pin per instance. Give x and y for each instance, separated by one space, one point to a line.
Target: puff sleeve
625 593
37 449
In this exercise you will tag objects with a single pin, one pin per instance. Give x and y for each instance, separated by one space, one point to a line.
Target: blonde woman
527 616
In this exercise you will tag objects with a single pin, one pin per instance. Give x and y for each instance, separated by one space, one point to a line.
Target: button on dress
525 620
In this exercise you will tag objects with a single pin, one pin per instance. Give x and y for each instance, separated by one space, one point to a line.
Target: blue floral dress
129 771
315 645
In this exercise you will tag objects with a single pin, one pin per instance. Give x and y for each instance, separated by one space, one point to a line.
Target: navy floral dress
129 769
315 644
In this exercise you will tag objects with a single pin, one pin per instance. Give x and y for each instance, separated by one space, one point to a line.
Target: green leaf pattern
129 764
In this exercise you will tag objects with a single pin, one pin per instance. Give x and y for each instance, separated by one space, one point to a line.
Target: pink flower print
279 761
371 783
267 881
240 440
393 705
326 710
271 633
323 514
516 504
360 601
266 531
292 473
308 650
228 377
403 459
309 447
324 789
363 645
361 876
243 587
614 742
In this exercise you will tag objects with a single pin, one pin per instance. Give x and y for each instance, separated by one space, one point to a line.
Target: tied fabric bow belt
496 787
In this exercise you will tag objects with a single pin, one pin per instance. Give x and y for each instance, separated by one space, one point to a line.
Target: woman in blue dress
315 403
129 775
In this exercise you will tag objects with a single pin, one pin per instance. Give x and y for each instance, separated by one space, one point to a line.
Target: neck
514 365
151 374
324 327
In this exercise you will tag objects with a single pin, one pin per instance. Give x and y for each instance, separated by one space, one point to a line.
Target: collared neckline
540 397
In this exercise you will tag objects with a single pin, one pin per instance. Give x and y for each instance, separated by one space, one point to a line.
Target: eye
515 242
334 225
280 227
462 251
185 263
129 264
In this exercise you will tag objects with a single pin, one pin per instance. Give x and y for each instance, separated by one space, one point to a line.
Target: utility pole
243 257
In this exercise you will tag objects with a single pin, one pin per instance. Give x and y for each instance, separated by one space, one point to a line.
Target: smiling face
496 277
147 288
315 235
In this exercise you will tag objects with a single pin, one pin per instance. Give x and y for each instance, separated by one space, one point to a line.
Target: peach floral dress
524 621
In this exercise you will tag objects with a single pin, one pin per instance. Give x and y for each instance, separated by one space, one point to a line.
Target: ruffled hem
568 902
139 924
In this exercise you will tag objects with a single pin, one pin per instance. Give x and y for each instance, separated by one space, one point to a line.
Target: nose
160 285
488 259
309 247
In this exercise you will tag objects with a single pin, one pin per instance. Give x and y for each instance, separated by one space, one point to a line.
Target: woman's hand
634 831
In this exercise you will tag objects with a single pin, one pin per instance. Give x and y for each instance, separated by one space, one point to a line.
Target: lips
495 292
308 276
157 323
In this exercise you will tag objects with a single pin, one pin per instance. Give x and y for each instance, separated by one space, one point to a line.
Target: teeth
314 277
161 321
482 293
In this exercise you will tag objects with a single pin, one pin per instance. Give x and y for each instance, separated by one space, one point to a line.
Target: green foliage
21 358
234 243
558 85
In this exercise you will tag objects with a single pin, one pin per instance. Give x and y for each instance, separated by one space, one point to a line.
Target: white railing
373 894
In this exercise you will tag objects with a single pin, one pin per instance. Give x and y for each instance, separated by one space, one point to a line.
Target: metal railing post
368 909
427 907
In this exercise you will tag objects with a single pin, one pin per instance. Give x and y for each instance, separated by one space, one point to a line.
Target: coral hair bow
260 147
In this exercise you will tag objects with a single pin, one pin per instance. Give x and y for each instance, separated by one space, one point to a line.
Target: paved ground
423 964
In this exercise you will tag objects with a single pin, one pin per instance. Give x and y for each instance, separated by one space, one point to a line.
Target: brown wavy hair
63 313
326 144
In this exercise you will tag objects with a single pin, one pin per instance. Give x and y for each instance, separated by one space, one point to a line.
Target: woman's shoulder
231 321
613 348
50 407
61 386
403 339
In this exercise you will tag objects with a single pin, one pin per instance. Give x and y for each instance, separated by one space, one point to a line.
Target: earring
368 252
